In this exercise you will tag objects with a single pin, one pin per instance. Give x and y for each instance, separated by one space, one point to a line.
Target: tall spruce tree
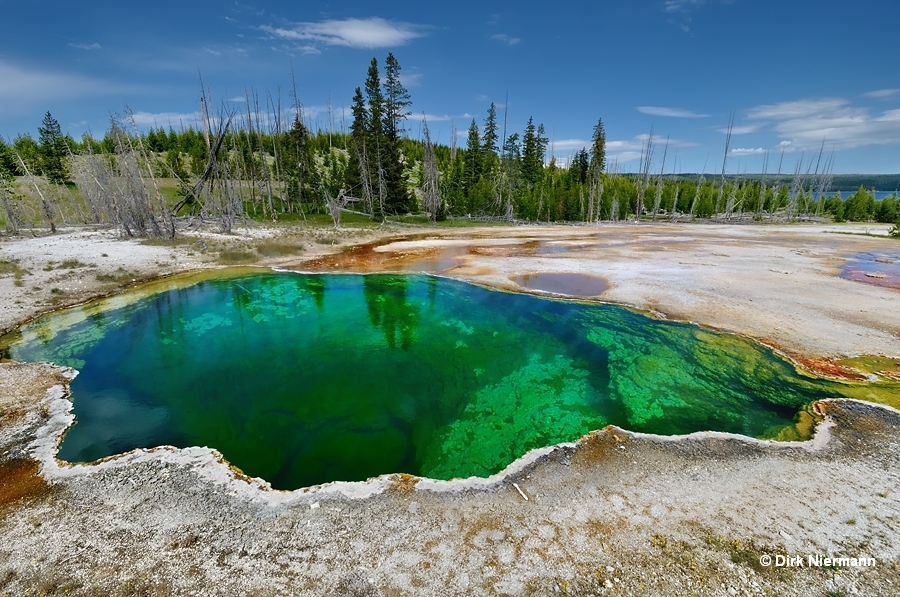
375 143
53 151
357 166
534 145
396 108
489 137
598 149
473 158
299 166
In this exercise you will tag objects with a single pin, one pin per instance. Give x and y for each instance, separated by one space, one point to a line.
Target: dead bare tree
776 186
46 209
430 190
724 164
334 206
825 180
265 179
215 190
644 181
659 181
167 220
761 202
796 188
677 184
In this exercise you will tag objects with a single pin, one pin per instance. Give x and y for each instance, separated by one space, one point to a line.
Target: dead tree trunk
431 193
46 210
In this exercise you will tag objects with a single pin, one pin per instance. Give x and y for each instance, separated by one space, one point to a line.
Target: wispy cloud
680 5
564 146
680 11
797 109
748 150
741 130
627 150
93 46
411 79
144 120
461 118
506 39
22 88
805 124
882 93
669 112
373 32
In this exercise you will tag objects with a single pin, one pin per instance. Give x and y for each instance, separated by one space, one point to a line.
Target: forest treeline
259 163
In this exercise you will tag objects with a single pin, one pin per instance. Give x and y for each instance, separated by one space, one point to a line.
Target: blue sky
794 73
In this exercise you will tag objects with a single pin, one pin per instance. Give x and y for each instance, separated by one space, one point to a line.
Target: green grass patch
72 264
120 276
278 248
236 257
746 553
12 268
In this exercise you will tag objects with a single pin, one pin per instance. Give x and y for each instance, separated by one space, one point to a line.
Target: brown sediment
570 284
822 366
404 483
829 368
20 478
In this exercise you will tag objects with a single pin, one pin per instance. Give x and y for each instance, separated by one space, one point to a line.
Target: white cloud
680 5
628 150
741 130
368 33
669 112
410 79
93 46
748 150
882 93
613 160
807 123
632 145
504 38
157 119
796 109
569 145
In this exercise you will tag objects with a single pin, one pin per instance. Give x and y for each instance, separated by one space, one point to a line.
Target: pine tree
534 145
8 166
489 138
300 166
396 108
354 175
430 181
53 151
375 139
473 158
598 149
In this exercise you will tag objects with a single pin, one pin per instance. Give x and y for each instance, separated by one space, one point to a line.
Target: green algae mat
303 379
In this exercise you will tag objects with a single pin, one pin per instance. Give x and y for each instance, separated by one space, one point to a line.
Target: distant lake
879 195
